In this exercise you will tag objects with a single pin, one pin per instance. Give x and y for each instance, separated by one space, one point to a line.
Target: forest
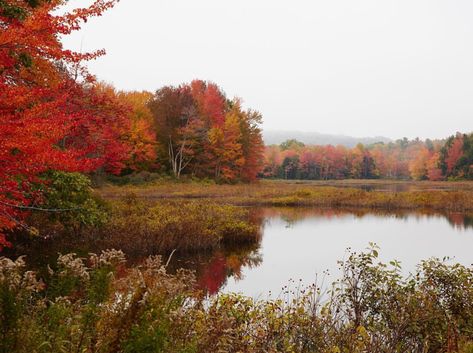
57 117
449 159
86 168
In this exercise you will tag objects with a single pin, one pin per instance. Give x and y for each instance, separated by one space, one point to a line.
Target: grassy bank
185 226
157 218
98 305
142 227
436 196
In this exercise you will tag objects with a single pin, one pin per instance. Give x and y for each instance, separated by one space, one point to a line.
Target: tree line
56 116
449 159
190 129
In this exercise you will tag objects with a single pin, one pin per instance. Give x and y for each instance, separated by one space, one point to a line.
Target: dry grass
444 196
136 225
96 304
140 227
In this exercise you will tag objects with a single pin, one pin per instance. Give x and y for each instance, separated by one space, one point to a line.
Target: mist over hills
276 137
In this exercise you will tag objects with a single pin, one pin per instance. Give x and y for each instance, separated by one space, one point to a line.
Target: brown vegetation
185 226
435 196
95 304
140 228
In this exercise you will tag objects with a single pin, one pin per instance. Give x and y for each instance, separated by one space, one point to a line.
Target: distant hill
275 137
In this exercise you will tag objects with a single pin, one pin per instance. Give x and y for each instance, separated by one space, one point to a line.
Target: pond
299 244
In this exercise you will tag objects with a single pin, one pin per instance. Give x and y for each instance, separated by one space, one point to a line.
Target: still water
299 243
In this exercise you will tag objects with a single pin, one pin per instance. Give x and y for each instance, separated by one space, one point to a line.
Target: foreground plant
99 305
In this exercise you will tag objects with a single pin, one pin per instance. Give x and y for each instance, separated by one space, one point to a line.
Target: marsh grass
435 196
185 226
141 228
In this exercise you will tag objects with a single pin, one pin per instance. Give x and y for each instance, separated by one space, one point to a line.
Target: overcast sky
355 67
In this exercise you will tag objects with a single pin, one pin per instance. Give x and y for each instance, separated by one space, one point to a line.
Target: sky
389 68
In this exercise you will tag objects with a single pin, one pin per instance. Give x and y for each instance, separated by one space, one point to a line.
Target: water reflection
212 269
299 243
460 220
291 215
392 186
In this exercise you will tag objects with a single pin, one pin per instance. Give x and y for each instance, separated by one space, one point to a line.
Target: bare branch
33 208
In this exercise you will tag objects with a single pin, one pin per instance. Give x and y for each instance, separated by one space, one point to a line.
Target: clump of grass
185 226
334 197
95 304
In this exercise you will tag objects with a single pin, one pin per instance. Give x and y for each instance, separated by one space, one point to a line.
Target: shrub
69 199
98 305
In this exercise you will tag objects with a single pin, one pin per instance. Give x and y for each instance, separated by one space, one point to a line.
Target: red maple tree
51 116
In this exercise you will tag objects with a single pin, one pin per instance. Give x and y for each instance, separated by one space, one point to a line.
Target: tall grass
96 304
140 228
185 226
335 197
454 198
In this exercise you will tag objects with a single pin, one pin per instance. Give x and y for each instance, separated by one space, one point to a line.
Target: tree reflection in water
213 269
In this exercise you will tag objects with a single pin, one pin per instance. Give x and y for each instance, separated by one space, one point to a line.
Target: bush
98 305
70 201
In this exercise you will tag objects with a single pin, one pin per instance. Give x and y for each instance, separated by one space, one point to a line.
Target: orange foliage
454 153
201 133
402 159
141 136
418 166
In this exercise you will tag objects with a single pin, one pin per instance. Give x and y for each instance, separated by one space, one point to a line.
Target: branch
169 258
33 208
17 222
